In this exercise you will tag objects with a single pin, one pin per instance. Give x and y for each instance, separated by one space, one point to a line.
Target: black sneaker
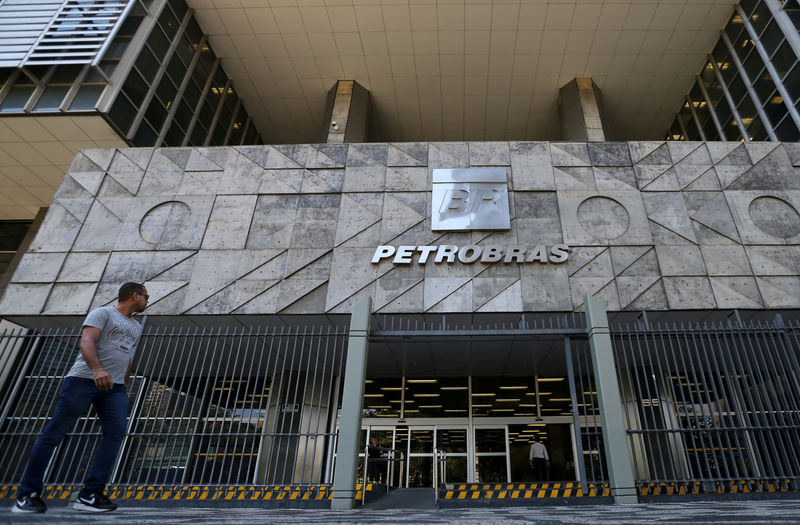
30 503
95 502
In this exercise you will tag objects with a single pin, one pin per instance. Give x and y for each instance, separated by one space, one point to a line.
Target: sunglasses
147 297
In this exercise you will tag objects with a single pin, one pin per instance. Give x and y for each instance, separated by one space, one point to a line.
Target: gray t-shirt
114 348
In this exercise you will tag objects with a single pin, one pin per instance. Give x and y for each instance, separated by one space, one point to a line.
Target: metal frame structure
775 26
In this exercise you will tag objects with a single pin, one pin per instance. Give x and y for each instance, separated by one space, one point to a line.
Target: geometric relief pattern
288 229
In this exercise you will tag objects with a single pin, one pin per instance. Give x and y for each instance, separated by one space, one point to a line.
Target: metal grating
716 402
212 406
47 32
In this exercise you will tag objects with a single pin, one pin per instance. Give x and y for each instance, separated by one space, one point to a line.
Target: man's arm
89 338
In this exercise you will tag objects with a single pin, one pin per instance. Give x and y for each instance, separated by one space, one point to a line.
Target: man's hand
102 379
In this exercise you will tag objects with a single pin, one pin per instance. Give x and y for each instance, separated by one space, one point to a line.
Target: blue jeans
75 397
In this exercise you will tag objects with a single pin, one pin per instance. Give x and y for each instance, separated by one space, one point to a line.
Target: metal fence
208 406
585 412
714 402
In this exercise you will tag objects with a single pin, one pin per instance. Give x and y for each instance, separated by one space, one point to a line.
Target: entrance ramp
406 498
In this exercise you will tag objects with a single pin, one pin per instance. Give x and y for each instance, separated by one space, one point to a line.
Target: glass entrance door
453 441
420 457
491 455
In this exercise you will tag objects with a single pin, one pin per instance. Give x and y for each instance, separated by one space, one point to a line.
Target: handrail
385 459
440 458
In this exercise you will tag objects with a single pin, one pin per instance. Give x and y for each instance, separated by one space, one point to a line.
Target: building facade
631 303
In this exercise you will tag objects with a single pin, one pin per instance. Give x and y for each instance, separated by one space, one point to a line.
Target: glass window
252 135
775 108
198 135
710 130
787 131
689 123
179 8
117 48
207 58
715 93
724 113
708 75
200 75
756 130
753 65
185 50
146 64
52 97
87 96
765 87
748 6
158 43
145 136
747 110
166 91
183 115
176 70
66 74
784 59
122 113
155 115
731 130
792 82
760 17
207 113
193 32
675 132
135 88
17 98
221 129
737 89
168 22
772 37
743 45
174 136
734 28
720 53
191 94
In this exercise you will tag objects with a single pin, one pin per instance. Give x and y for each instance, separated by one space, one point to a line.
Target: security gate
221 406
715 403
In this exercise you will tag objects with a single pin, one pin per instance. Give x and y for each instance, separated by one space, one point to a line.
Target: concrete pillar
346 113
615 440
344 475
581 112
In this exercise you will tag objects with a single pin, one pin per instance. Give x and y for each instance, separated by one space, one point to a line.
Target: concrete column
615 440
581 112
344 475
346 113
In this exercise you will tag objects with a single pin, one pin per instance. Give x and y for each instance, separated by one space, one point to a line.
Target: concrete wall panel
292 229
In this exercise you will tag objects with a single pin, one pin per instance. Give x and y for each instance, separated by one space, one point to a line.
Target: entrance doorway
481 452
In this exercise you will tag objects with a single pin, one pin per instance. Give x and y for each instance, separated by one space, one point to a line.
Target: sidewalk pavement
783 511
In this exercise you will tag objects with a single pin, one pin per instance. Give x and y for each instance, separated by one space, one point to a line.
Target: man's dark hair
127 290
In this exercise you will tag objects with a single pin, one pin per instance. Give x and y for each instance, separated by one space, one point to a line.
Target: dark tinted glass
787 131
784 59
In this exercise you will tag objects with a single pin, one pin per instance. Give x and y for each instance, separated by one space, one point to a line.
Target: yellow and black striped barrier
519 491
285 494
742 486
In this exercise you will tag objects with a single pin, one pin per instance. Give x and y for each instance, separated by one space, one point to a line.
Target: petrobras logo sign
448 253
467 199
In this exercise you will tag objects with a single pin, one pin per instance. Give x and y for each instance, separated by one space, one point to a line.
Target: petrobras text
471 253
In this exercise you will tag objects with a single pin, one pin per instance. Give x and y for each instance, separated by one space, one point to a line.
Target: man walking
539 459
98 377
